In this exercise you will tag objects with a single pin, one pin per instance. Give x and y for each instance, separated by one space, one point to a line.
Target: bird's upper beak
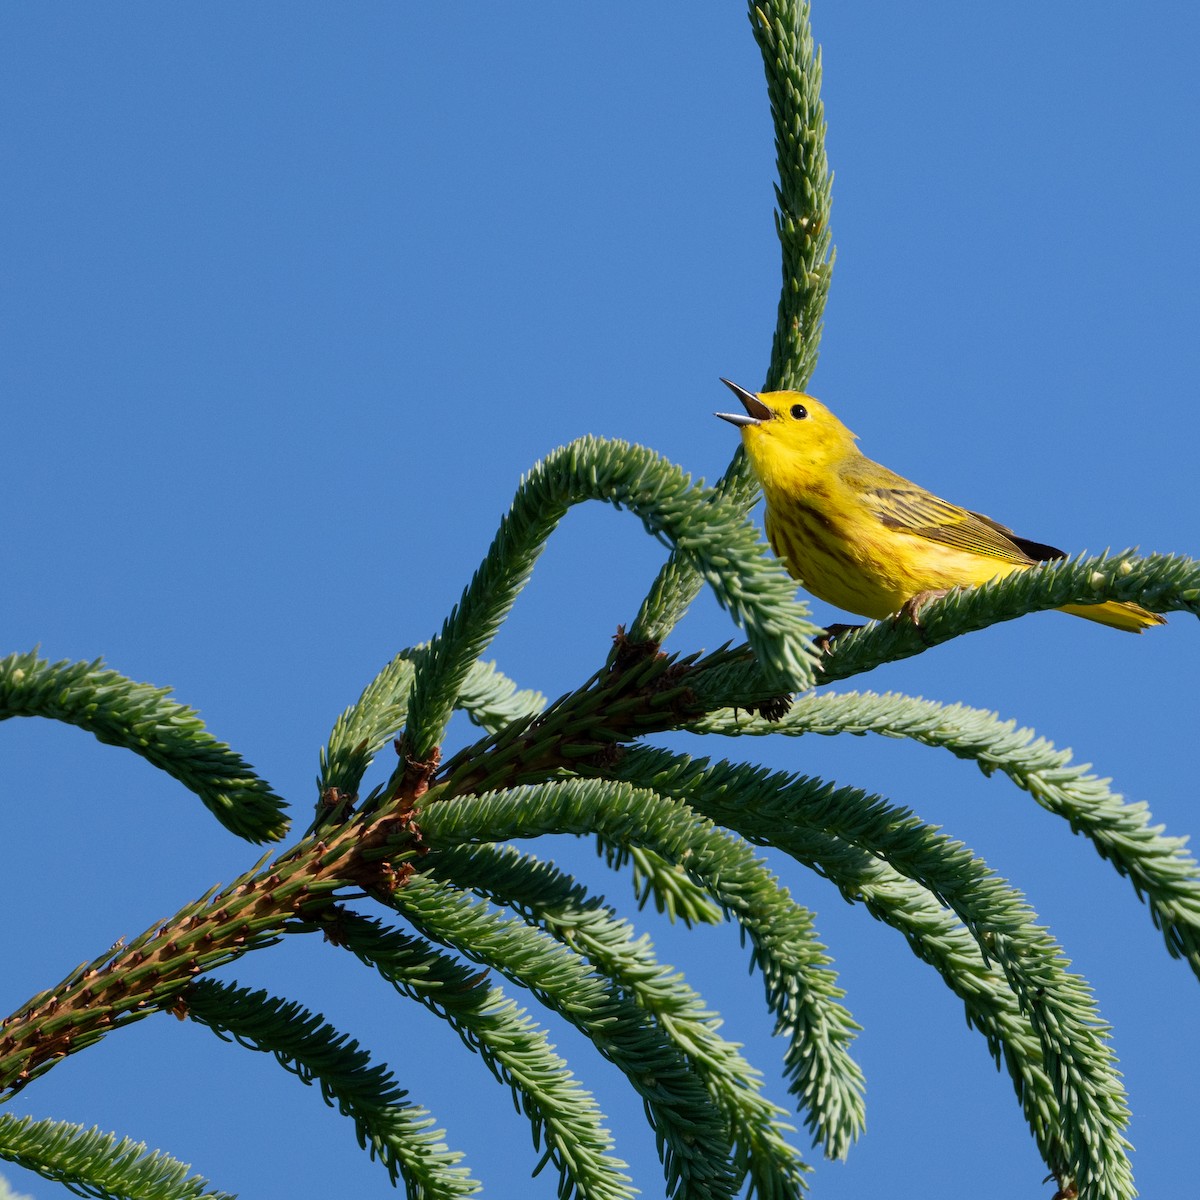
756 410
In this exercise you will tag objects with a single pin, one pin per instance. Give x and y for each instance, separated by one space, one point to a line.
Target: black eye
799 412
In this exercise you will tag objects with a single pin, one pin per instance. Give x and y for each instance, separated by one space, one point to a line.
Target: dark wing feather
1038 551
899 504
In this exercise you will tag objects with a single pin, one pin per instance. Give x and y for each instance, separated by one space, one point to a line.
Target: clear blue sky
294 293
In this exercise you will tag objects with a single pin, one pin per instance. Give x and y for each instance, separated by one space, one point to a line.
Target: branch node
627 653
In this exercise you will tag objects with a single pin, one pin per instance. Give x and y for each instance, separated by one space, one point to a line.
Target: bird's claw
774 709
825 642
911 609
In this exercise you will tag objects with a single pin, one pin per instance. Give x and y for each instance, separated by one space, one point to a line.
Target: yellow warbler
859 536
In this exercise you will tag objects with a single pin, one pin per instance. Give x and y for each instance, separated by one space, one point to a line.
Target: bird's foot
911 609
827 639
774 709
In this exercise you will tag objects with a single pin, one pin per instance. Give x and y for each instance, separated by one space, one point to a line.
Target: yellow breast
852 561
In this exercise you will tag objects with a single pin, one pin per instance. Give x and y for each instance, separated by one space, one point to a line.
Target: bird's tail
1119 614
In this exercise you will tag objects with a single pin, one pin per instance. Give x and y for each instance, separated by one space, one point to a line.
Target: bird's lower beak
756 410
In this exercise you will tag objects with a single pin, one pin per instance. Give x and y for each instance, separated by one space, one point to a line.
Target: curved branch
389 1127
694 1144
804 193
1161 583
812 821
1159 867
801 990
710 533
803 198
141 718
488 697
92 1163
674 892
514 1048
548 898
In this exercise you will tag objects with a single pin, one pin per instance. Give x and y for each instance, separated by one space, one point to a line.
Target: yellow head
789 436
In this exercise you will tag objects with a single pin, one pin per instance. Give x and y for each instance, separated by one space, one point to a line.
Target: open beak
756 410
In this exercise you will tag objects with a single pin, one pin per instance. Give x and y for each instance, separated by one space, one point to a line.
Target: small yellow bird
861 537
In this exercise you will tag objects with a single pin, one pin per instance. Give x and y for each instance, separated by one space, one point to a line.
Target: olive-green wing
899 504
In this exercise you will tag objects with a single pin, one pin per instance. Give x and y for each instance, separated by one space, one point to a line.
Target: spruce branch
1161 583
389 1127
547 898
491 700
141 718
488 697
674 892
517 1051
363 729
130 981
932 931
426 839
92 1163
803 197
711 533
1159 867
641 693
799 815
800 989
694 1144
